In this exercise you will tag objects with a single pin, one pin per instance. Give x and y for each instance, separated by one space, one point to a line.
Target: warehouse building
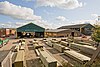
6 32
61 33
30 30
85 29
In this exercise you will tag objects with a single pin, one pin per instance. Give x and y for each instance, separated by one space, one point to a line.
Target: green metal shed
31 27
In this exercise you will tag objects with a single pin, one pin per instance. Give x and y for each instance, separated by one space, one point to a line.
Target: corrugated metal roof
30 28
75 26
56 30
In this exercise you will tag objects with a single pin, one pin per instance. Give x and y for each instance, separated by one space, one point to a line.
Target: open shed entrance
30 30
39 34
25 34
30 34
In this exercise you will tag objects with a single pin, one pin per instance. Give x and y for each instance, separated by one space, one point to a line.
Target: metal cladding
48 60
77 56
30 28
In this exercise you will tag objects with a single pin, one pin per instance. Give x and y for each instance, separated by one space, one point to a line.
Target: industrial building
6 32
85 29
61 33
33 30
30 30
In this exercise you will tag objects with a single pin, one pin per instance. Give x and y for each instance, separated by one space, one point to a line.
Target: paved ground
31 60
8 46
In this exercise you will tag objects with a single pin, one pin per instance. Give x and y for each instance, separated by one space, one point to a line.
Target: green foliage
96 34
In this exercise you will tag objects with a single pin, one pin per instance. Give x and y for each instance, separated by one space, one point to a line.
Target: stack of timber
84 48
36 46
54 41
64 43
44 40
49 43
83 43
22 47
37 52
35 42
77 56
19 61
47 60
58 63
59 47
63 39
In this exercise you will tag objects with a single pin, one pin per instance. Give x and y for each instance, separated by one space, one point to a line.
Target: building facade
6 32
85 29
61 33
30 30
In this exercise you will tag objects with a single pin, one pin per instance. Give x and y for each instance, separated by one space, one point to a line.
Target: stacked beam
48 60
59 47
77 56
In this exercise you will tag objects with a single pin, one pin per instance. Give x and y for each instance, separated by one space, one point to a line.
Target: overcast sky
48 13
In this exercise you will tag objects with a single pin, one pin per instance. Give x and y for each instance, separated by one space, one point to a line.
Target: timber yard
33 46
49 33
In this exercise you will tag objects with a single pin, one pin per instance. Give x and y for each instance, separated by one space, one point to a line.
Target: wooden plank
64 43
59 47
48 60
77 56
19 61
49 43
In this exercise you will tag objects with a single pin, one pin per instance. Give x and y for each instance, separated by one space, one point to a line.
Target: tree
96 34
96 38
